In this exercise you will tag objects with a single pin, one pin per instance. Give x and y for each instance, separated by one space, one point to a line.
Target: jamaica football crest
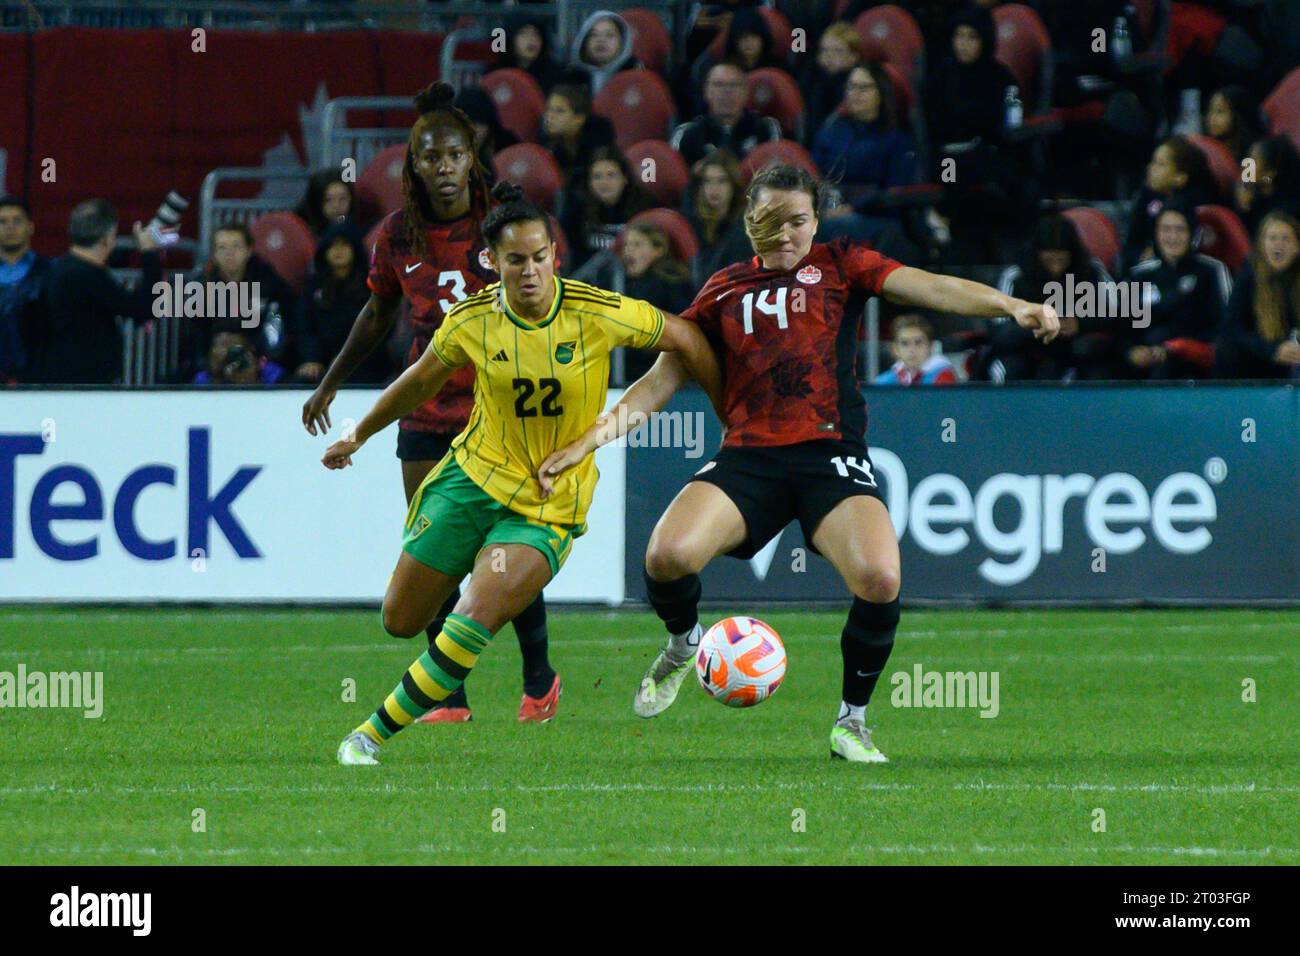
564 352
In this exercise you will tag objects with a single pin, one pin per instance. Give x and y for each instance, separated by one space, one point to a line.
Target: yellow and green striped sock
437 673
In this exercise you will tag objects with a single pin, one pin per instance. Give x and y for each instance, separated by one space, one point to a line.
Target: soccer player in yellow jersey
540 349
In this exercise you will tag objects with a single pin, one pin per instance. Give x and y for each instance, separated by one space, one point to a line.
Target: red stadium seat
533 168
774 93
671 177
903 95
284 242
1223 237
891 35
379 187
1098 234
1223 167
777 25
781 151
1023 47
519 101
651 42
638 103
1283 107
561 245
680 234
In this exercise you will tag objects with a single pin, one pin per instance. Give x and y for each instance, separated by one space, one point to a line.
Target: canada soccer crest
809 275
483 259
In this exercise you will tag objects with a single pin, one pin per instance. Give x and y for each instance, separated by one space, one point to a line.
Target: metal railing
215 211
357 143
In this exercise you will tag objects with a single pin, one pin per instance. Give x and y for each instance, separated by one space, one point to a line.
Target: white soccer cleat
358 750
851 741
662 679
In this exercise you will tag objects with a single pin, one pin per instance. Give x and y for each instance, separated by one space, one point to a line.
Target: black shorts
422 446
774 486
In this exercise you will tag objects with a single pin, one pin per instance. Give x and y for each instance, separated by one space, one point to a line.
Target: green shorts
451 519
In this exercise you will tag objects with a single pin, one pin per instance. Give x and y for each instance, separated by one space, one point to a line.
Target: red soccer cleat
541 710
446 715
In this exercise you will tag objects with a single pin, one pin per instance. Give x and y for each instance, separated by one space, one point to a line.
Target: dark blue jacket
865 154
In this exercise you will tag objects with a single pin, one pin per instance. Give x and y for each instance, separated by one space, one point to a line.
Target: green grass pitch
1138 714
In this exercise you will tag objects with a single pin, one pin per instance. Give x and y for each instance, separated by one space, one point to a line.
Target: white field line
606 788
933 849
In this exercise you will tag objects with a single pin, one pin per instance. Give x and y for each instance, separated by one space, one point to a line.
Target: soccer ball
741 661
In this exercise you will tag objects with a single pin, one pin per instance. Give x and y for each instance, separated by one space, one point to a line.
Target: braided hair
512 207
435 104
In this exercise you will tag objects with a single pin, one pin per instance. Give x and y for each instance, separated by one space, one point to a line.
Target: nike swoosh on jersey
724 295
410 269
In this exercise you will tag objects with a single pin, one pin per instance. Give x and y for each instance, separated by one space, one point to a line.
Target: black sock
530 628
457 697
866 642
676 602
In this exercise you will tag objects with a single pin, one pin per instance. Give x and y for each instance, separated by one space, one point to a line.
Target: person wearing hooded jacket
602 47
528 48
331 298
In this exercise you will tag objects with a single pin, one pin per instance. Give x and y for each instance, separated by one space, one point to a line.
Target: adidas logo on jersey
500 356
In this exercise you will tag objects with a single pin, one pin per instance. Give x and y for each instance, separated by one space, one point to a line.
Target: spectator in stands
1087 346
233 261
1260 334
593 216
1186 294
489 135
1275 185
233 359
572 132
602 47
865 151
81 343
915 362
708 19
334 293
653 273
965 101
727 122
749 41
838 51
715 208
528 48
22 272
1232 118
329 199
1178 170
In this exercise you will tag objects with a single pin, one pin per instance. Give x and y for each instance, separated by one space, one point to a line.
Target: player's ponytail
512 207
436 104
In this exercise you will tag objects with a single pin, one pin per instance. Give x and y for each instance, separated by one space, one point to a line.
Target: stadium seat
680 234
1223 237
284 242
1223 167
1025 48
651 42
561 245
781 151
777 25
379 187
671 177
639 104
774 93
904 98
1282 107
519 101
1098 234
891 35
533 168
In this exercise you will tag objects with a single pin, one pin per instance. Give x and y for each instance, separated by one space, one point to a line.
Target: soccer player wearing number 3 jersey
785 324
539 348
431 253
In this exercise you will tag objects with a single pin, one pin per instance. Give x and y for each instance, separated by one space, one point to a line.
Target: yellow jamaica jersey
537 387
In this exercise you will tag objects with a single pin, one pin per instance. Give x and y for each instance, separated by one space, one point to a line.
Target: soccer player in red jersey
785 324
432 253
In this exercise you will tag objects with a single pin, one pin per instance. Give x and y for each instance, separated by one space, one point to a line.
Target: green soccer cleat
662 679
358 750
851 741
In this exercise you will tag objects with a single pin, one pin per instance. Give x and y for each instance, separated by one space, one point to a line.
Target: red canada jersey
454 267
788 343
